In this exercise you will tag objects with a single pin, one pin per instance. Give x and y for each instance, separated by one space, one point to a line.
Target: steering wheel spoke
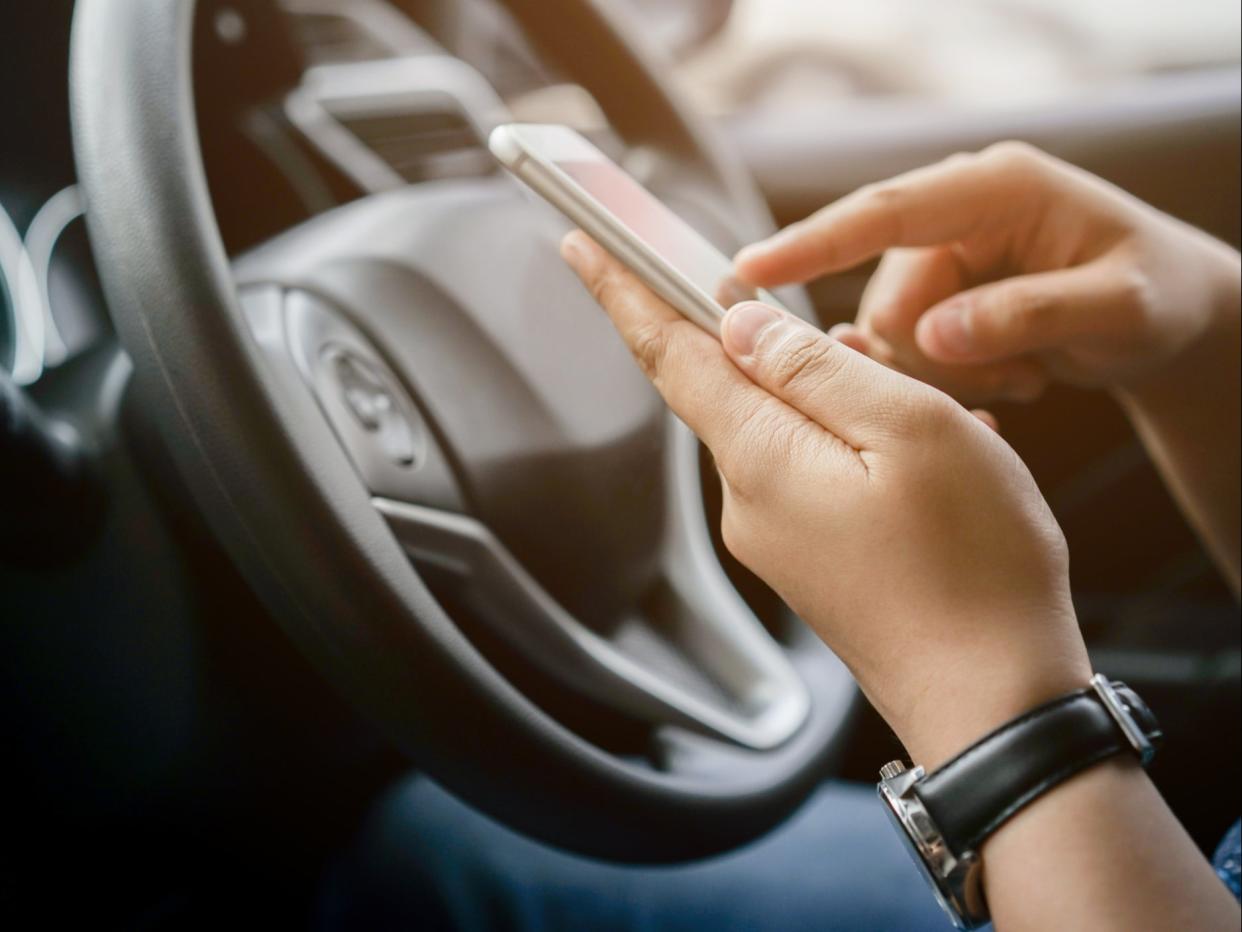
690 653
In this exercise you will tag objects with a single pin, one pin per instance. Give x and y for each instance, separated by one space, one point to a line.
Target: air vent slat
424 144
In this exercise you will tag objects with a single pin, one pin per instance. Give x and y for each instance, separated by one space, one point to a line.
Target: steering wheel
433 458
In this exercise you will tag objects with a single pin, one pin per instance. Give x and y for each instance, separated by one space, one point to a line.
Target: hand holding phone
672 258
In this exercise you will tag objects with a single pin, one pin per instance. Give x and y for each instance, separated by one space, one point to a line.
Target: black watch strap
973 794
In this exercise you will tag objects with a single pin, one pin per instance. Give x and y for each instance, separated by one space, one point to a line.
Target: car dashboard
302 106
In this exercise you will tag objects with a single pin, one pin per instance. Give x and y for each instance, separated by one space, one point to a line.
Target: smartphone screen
650 221
641 214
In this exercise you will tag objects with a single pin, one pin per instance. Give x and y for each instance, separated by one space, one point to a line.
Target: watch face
898 812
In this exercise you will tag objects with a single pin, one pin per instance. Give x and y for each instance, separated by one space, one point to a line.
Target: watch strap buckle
1123 716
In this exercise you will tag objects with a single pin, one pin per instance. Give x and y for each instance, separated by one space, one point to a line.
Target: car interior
320 468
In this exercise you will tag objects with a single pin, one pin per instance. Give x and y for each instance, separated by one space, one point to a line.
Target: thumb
1021 315
838 388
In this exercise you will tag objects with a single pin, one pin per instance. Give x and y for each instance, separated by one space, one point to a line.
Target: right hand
1007 269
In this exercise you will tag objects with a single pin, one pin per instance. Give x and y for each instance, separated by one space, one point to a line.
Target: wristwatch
945 816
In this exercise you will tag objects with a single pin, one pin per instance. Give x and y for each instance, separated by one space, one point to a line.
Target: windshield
787 53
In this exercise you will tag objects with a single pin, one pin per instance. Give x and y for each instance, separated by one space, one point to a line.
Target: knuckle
801 359
931 414
886 193
886 202
1020 312
604 288
1027 308
1136 290
960 159
649 345
1019 169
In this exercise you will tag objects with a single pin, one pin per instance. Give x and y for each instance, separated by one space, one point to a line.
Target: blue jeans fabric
1228 859
427 861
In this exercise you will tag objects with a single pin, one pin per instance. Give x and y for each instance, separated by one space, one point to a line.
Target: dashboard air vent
420 145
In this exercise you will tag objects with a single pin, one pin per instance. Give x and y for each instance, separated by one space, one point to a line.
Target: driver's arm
914 541
1008 269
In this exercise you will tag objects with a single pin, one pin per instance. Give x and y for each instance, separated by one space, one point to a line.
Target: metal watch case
954 880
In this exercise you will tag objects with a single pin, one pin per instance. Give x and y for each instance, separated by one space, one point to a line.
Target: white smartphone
669 255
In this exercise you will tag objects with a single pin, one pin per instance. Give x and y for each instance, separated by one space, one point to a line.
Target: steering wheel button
366 394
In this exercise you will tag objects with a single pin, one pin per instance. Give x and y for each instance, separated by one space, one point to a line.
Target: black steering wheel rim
301 527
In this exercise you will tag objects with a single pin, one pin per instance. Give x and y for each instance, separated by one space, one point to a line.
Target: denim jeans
424 860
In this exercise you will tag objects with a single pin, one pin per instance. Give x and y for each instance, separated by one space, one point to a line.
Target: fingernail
744 323
949 329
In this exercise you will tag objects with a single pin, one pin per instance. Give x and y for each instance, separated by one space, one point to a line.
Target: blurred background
790 55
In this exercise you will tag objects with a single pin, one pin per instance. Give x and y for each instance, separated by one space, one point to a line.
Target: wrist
962 701
950 817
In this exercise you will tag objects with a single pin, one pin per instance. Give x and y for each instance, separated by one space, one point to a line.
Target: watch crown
892 769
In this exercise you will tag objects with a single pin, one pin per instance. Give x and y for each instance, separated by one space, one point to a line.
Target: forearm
1101 852
1188 417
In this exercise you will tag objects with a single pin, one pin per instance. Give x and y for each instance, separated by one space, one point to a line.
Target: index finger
926 207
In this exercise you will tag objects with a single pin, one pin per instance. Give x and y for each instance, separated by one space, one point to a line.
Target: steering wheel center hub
552 436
